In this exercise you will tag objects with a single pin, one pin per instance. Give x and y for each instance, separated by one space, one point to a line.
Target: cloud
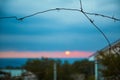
22 8
58 30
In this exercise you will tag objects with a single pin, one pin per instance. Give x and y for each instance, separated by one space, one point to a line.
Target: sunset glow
67 53
72 54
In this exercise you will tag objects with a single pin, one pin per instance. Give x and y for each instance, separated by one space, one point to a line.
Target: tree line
43 69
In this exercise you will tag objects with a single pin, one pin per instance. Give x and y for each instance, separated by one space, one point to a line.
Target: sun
67 52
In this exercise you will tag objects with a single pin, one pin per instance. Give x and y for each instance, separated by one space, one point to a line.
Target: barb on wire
92 22
96 14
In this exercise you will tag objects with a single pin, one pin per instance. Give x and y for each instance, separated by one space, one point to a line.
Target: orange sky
73 54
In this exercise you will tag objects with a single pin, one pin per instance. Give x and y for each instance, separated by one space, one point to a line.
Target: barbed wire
70 9
77 10
9 17
56 9
96 14
106 38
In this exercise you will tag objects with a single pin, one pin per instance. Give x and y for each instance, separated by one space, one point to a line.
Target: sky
53 33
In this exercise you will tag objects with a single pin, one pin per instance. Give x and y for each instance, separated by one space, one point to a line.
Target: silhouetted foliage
83 67
111 64
43 68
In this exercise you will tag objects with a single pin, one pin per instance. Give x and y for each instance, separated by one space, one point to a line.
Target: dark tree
111 64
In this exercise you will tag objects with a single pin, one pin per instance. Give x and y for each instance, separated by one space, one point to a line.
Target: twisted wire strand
56 9
15 17
96 14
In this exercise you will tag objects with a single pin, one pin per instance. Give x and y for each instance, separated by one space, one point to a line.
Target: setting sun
67 52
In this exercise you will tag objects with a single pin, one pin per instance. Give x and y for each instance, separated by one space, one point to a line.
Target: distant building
115 49
29 76
16 74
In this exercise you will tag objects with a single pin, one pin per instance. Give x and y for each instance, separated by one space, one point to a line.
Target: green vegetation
43 69
111 64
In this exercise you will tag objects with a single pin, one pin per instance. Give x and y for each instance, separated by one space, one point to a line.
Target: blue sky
57 31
